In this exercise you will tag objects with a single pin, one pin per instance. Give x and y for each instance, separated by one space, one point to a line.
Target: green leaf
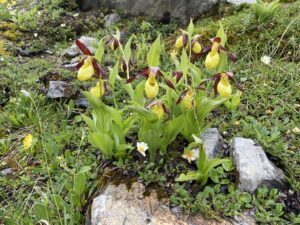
79 185
191 28
42 211
221 34
103 142
127 50
205 105
184 63
195 73
214 175
121 150
153 57
128 123
202 162
100 51
171 130
191 175
85 169
58 201
223 62
139 93
90 123
146 114
228 165
113 75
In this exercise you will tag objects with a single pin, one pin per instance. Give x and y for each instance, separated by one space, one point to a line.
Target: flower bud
181 41
187 100
151 86
123 66
99 90
158 109
236 99
224 88
114 44
86 71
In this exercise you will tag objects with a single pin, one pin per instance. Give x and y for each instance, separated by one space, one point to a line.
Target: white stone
119 206
59 89
254 167
213 142
111 19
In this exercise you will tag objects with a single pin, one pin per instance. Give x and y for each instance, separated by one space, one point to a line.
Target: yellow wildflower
197 47
151 86
99 90
87 70
224 87
187 100
27 141
158 109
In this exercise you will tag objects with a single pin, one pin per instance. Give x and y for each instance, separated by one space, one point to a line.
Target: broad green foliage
265 11
108 130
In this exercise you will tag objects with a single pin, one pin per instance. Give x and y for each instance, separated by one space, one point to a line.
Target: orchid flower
89 67
213 57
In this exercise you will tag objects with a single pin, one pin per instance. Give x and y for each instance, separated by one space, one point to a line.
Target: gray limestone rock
179 9
254 167
213 142
111 19
6 172
59 89
117 205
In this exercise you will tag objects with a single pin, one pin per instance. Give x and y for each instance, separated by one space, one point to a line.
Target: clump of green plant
168 103
265 11
205 166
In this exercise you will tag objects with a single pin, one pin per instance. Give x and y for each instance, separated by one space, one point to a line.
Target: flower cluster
163 103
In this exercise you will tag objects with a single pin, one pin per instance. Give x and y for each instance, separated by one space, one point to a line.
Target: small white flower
266 59
25 93
76 14
63 25
35 34
191 155
142 147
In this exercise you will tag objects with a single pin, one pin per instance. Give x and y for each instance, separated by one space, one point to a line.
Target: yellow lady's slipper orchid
158 109
196 47
27 142
99 90
179 42
224 88
212 59
187 100
87 70
151 86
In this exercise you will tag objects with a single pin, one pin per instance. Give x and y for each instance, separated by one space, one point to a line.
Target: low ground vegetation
56 178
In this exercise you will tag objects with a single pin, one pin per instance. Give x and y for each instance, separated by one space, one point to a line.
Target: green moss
115 177
3 50
12 35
